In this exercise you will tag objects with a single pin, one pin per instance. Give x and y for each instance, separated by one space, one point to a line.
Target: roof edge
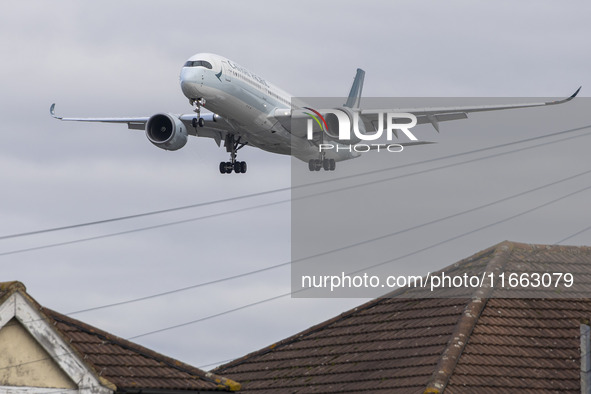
463 329
221 381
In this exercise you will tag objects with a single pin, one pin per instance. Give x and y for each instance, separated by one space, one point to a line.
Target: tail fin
354 99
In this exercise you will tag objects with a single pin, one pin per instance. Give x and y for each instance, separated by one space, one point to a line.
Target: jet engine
166 132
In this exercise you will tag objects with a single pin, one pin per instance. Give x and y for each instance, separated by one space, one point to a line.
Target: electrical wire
136 230
301 197
258 194
553 201
349 246
574 235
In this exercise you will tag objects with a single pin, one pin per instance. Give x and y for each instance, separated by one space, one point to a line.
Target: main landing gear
232 146
317 164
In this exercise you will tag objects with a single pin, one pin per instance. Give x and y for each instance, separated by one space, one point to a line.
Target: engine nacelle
333 123
166 131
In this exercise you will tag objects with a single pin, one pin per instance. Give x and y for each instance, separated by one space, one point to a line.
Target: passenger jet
245 109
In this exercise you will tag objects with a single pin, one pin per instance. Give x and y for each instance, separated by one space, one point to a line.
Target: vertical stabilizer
354 99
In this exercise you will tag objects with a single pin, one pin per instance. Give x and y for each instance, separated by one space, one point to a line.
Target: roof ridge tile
459 337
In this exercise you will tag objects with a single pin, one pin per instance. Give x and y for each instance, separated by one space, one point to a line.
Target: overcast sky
114 58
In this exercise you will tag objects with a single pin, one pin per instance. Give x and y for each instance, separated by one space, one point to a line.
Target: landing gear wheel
318 164
232 146
226 167
315 164
197 122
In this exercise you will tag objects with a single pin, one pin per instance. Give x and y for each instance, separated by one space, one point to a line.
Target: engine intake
166 132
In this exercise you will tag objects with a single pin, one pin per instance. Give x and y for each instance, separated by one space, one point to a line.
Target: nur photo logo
345 131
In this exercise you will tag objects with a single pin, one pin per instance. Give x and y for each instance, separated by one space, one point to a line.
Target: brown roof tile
356 351
129 365
493 341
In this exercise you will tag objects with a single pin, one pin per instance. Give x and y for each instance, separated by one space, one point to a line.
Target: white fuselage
248 102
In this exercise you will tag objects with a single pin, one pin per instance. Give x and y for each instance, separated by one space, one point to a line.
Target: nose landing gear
232 146
198 121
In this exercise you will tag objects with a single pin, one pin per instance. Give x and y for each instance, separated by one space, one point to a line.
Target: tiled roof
124 364
528 345
482 343
129 365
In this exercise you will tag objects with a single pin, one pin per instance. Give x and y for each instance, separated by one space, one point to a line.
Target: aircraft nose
191 80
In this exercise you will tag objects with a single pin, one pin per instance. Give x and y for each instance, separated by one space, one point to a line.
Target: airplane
245 109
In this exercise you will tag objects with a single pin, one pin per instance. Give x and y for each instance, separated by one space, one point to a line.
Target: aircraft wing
432 115
441 114
214 126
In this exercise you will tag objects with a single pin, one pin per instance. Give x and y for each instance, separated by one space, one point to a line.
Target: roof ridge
12 286
176 364
461 334
9 288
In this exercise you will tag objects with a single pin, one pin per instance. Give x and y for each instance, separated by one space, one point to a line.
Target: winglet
566 99
52 112
575 93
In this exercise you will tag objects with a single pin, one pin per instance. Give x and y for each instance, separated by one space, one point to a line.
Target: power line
349 246
136 230
120 218
420 172
258 194
480 228
216 363
574 235
555 200
301 197
211 316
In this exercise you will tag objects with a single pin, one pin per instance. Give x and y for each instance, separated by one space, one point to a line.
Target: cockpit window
198 63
